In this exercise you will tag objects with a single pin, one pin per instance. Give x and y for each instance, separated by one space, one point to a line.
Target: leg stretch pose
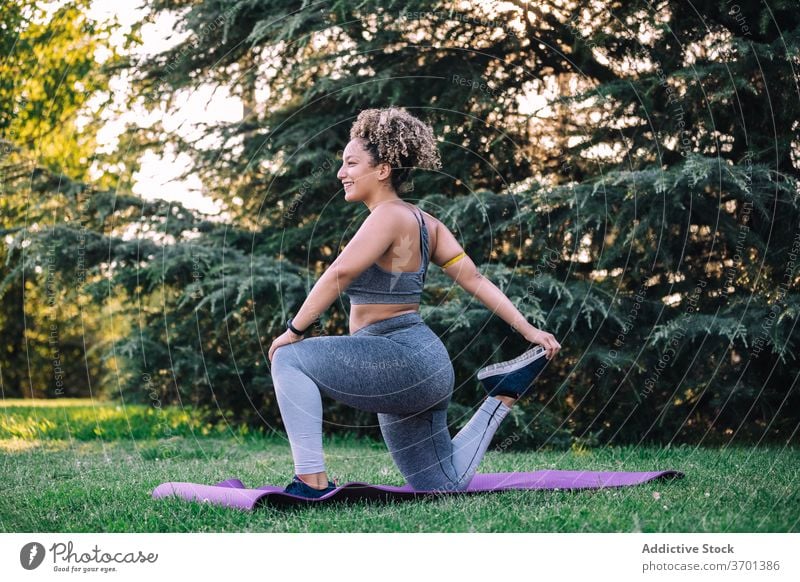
395 365
399 369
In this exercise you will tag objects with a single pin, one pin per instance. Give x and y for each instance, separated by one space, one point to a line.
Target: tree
634 215
51 88
619 237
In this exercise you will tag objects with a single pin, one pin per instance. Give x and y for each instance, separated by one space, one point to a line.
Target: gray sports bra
377 285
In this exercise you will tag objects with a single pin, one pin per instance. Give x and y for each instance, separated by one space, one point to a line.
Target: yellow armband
454 260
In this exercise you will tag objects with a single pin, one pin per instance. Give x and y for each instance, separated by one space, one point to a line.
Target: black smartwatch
293 329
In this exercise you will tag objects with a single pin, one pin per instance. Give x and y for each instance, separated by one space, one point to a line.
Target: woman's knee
284 358
436 485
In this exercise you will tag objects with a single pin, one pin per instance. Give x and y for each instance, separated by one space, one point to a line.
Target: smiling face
361 179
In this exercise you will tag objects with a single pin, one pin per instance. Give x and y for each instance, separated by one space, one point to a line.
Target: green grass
83 419
102 484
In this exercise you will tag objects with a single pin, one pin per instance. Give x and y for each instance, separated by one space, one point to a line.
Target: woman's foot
514 378
315 480
300 488
507 400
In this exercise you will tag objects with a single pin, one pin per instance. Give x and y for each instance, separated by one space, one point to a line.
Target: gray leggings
399 369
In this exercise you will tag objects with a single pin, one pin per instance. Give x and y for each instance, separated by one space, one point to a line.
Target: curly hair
395 136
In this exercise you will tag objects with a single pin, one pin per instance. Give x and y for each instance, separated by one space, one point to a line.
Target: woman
392 363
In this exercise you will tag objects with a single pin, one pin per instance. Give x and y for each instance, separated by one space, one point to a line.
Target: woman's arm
466 274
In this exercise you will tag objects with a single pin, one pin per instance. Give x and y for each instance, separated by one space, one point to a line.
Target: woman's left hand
288 337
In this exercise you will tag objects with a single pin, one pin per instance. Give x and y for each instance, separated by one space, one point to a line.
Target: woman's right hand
544 339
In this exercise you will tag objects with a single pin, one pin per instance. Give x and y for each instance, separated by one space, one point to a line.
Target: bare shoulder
444 245
434 227
398 215
395 217
386 216
430 220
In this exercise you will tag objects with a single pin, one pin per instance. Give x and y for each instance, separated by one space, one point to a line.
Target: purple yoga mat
233 493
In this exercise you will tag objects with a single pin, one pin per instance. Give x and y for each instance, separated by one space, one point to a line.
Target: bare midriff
367 313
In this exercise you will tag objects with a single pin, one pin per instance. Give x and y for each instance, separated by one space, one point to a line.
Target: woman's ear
385 171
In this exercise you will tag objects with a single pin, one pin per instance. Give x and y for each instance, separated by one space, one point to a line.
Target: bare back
404 254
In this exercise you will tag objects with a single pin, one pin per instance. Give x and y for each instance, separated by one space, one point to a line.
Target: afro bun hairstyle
395 136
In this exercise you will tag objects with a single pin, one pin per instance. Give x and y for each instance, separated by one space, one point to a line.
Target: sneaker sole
511 365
